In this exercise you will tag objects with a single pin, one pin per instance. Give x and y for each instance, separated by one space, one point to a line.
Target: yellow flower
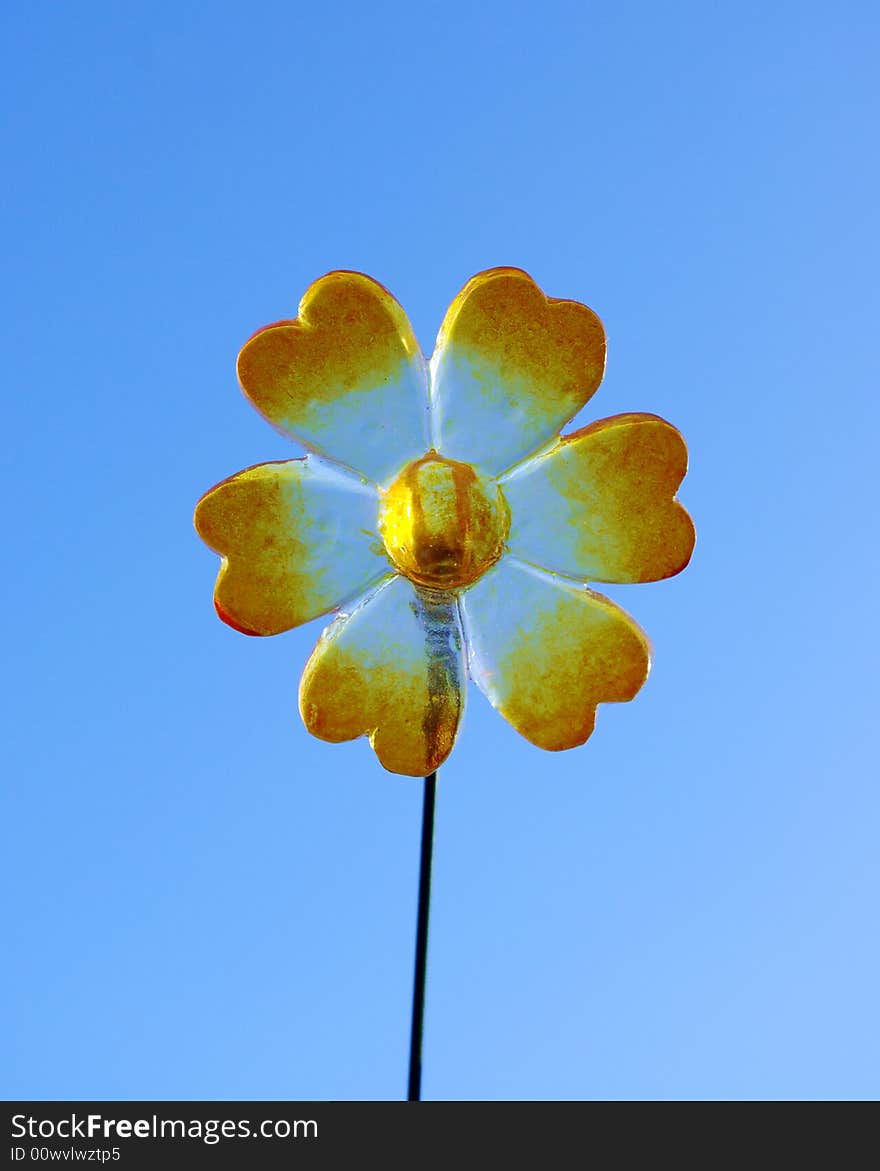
444 517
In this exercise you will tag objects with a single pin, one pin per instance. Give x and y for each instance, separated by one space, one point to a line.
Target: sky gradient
205 902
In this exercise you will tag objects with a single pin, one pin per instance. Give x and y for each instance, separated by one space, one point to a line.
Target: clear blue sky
204 902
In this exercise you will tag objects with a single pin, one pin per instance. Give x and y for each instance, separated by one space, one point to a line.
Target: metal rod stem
418 1012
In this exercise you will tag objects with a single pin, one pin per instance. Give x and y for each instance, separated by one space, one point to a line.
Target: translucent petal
392 669
599 505
546 651
346 378
297 539
511 366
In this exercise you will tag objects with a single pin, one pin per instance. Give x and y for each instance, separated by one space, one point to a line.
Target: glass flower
444 517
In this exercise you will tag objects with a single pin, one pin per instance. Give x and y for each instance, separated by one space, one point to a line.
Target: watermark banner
168 1135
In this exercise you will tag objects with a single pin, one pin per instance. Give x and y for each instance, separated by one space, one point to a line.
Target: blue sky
204 902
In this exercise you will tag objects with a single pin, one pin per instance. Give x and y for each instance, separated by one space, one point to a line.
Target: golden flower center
442 523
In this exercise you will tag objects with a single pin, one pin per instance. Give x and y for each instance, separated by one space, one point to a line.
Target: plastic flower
444 517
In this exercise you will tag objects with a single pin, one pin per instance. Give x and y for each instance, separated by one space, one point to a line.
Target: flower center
443 524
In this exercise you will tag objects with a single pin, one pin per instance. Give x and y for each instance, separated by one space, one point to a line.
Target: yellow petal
393 669
546 651
346 378
510 368
297 538
600 505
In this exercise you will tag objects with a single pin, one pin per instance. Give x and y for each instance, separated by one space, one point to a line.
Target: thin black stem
418 1013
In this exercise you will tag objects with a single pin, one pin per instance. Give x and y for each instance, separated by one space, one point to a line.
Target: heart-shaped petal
393 669
346 378
599 506
546 651
511 366
297 538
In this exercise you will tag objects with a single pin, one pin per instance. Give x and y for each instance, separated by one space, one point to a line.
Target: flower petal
392 669
599 505
511 366
346 378
297 538
546 651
